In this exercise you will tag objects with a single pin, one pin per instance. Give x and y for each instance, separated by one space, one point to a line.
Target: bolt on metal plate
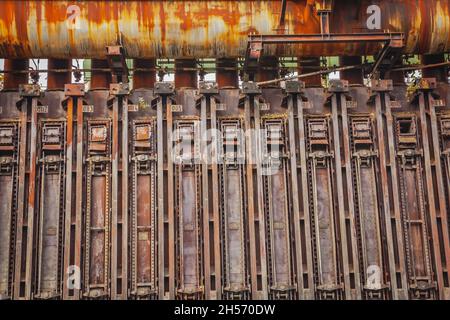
74 90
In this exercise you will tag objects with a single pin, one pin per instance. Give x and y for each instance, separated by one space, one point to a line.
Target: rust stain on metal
198 29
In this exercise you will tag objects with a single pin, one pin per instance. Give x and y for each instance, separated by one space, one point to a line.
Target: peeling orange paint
177 29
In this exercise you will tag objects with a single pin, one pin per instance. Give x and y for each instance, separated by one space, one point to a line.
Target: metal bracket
338 86
29 90
251 88
208 88
119 89
74 90
293 87
164 88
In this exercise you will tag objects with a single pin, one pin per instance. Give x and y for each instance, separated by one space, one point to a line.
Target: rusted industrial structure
260 185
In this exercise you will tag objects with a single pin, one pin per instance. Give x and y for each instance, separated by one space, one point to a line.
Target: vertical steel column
227 73
337 88
389 176
30 94
442 177
303 154
348 176
119 92
215 200
250 192
79 192
9 147
294 90
165 92
74 93
425 92
114 192
206 91
253 154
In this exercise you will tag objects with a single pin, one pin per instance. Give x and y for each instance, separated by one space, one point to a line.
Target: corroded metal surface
175 29
261 223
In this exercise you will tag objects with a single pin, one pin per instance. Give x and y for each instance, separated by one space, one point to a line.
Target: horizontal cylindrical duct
187 29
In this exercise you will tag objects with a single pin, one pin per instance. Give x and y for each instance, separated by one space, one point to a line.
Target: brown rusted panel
277 210
98 205
143 203
393 181
188 213
368 213
50 209
322 210
234 233
415 215
8 203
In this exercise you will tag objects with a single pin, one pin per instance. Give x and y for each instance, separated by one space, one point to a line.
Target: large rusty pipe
441 74
202 29
146 77
56 80
186 75
308 65
353 76
227 73
100 78
14 77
